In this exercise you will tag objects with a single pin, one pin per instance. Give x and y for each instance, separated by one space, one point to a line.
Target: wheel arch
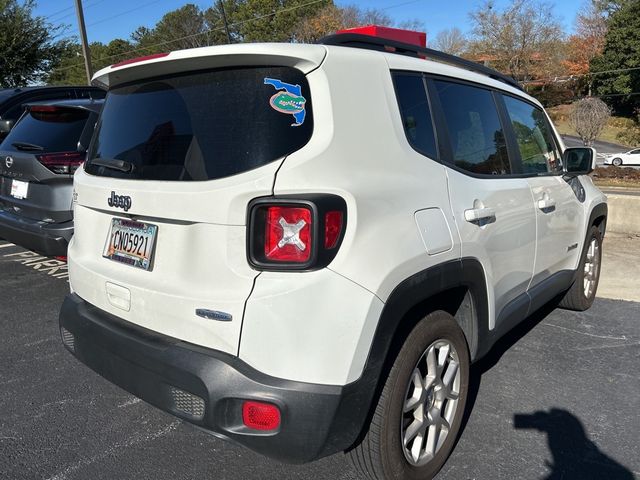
598 217
457 287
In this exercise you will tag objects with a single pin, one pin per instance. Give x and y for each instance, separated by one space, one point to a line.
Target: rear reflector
288 234
332 228
260 416
140 59
64 163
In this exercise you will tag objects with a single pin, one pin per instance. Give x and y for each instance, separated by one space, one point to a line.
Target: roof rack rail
369 42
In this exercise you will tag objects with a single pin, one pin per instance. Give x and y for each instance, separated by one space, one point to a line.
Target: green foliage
27 44
621 51
70 66
273 20
190 26
553 95
630 133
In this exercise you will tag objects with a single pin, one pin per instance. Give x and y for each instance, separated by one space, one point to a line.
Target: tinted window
54 131
415 112
205 125
535 141
475 132
634 152
14 112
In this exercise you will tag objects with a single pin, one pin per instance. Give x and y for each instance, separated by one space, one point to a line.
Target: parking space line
5 245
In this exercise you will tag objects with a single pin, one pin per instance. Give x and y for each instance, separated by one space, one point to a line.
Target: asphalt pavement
557 399
601 147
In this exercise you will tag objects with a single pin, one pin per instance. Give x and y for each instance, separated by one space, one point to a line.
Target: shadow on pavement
574 455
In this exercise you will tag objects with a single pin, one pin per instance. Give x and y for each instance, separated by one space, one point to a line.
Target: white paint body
406 213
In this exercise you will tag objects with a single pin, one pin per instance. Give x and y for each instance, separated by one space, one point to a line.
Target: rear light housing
62 163
301 232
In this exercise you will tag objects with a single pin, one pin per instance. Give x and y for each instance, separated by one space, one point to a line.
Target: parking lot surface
558 399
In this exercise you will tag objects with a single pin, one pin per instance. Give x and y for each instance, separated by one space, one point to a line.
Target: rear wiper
27 146
113 164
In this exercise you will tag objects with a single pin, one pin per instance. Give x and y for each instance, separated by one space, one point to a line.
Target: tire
616 162
381 454
579 297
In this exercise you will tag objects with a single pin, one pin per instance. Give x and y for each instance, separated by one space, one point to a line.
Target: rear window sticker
289 99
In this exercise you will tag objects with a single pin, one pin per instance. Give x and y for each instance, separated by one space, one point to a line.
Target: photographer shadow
574 455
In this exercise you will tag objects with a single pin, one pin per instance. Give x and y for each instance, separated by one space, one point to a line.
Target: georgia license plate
131 242
19 189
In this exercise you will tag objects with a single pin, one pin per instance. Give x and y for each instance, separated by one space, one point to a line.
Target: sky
109 19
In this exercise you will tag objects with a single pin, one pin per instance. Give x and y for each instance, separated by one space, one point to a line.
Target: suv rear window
58 130
204 125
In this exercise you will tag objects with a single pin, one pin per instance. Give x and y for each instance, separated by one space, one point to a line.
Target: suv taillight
64 163
295 233
288 234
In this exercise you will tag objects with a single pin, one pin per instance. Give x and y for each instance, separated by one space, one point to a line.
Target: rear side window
57 130
538 150
475 132
204 125
415 112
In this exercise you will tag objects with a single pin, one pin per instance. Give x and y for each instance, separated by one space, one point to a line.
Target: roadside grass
560 117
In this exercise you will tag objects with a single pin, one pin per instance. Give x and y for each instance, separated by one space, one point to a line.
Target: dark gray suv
37 162
13 100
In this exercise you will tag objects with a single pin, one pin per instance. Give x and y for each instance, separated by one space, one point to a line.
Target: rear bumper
317 420
49 239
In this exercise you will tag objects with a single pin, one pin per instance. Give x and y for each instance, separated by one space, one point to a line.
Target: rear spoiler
301 56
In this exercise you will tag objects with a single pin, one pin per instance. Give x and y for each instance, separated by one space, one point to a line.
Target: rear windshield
203 125
55 131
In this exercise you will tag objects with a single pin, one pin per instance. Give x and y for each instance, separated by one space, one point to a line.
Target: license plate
131 242
19 189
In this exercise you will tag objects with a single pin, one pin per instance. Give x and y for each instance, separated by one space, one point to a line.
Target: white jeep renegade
301 248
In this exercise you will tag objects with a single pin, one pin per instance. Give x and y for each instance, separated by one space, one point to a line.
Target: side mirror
579 160
6 126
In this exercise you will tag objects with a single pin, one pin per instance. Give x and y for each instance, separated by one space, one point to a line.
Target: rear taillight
64 163
301 233
288 234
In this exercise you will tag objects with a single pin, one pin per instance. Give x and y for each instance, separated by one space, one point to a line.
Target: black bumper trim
317 420
44 238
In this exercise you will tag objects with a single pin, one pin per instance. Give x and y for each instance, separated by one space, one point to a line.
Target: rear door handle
474 215
546 203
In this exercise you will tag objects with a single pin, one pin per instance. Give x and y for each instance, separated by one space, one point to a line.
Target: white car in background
632 157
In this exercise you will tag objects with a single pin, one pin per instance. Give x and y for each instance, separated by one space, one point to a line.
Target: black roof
81 103
368 42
